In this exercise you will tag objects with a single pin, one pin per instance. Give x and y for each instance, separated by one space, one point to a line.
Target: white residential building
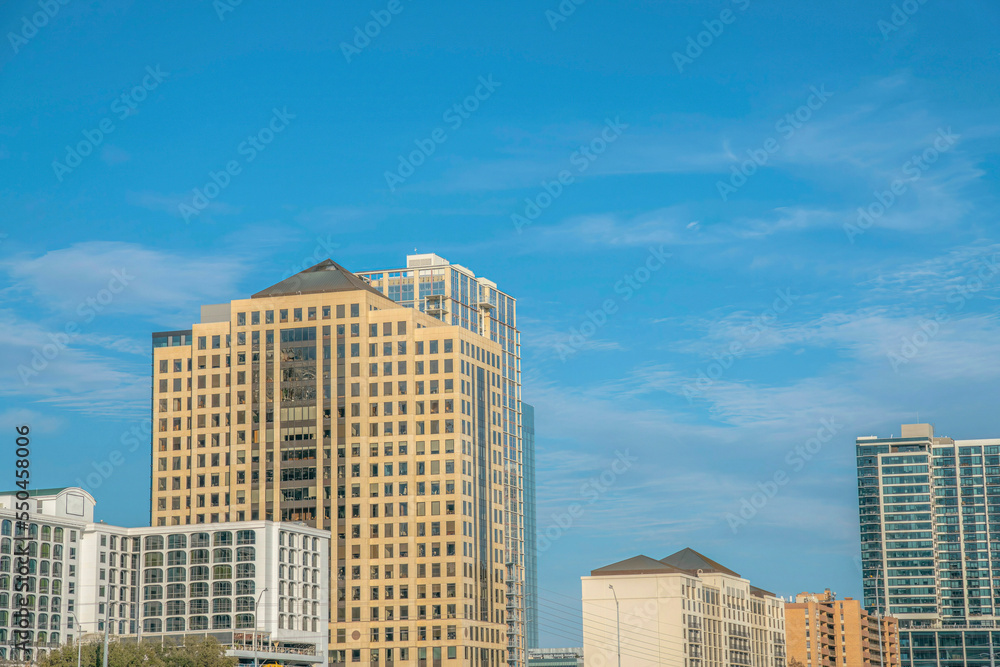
684 610
238 582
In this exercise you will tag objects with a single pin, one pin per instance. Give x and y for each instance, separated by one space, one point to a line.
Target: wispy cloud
104 277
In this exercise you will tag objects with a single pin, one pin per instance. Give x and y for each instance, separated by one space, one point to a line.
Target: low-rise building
248 584
823 631
685 610
555 657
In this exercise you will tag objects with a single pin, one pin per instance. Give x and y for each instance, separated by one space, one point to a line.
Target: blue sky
735 171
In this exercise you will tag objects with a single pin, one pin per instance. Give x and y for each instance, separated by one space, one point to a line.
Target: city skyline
739 234
801 454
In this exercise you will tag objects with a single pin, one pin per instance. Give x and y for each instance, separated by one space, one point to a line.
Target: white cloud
93 279
36 421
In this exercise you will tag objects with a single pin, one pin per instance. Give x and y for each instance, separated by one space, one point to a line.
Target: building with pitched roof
332 399
686 610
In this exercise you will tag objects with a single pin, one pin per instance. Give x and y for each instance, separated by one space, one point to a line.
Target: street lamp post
992 654
618 624
79 640
254 641
107 617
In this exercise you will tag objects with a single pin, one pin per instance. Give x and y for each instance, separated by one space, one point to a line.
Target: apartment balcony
434 304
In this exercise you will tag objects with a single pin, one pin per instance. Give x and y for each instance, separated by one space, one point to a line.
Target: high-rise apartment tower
930 542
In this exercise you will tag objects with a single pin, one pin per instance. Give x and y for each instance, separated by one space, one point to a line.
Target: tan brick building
685 610
825 632
321 400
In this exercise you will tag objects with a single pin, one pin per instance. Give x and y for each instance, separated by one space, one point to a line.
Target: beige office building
684 610
826 632
321 400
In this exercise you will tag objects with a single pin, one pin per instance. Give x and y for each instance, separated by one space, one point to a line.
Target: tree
120 654
194 652
792 662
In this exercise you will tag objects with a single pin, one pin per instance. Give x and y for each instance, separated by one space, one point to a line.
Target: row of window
200 589
218 538
41 583
199 573
47 533
297 313
200 556
180 624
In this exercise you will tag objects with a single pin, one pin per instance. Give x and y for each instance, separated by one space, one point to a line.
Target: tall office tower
321 400
453 294
930 542
530 528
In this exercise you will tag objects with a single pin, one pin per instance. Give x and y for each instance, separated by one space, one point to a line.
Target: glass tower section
455 295
930 542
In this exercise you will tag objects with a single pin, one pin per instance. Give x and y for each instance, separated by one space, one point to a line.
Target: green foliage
792 662
195 652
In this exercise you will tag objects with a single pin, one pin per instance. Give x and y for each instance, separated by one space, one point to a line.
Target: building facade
531 609
823 631
555 657
930 542
322 400
237 582
685 610
453 294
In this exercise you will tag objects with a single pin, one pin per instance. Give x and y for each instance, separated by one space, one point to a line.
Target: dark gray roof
634 565
692 561
327 276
